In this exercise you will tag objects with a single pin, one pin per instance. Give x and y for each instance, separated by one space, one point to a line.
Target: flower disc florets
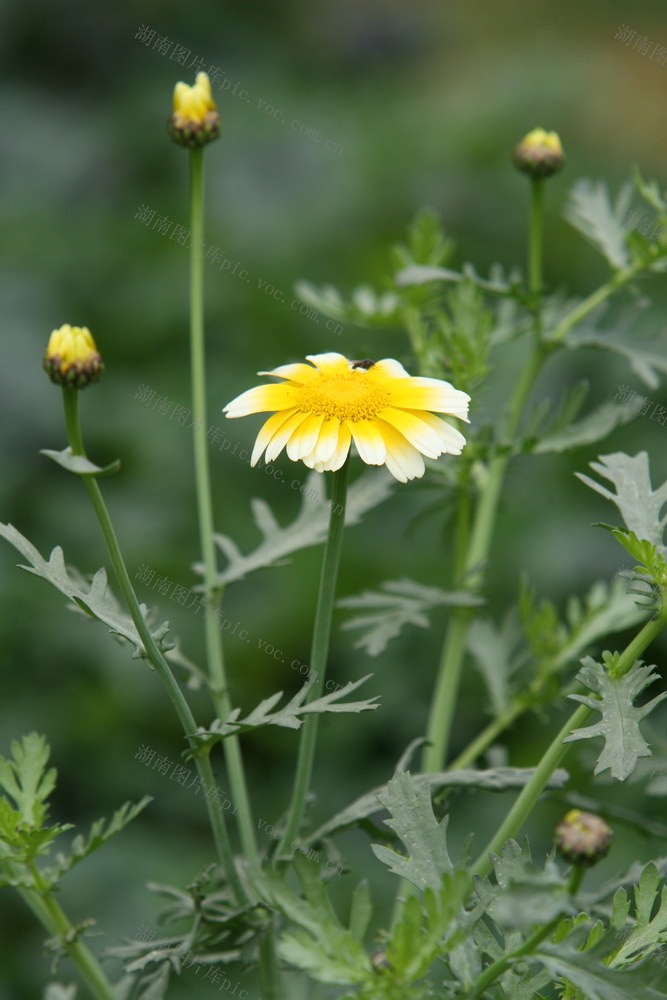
322 408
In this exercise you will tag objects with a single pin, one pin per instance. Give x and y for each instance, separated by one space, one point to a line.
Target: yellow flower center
348 397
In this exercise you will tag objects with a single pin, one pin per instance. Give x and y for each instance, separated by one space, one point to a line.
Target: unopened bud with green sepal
72 358
539 153
583 838
195 120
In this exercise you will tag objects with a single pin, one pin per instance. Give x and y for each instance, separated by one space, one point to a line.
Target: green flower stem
497 968
487 736
451 662
557 750
595 299
535 244
214 651
203 764
51 915
318 657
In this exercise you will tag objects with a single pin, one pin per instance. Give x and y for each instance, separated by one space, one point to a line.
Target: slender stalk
214 651
51 915
595 299
557 750
203 764
484 739
453 651
318 657
535 236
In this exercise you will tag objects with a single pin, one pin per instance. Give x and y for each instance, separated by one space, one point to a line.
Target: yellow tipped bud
72 358
195 119
539 153
583 838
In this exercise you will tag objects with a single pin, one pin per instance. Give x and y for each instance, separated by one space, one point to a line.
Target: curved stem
453 651
557 750
496 969
214 651
318 657
153 653
51 915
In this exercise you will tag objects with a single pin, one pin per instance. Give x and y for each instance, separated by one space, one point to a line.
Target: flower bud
539 153
195 119
583 838
71 357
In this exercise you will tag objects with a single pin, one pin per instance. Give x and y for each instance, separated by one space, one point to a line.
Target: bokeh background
356 114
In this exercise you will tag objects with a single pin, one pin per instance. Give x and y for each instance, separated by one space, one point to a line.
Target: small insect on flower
322 408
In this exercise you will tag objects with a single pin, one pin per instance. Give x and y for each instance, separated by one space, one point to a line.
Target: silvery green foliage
496 779
591 212
93 598
307 529
398 603
539 642
619 726
639 504
290 716
24 808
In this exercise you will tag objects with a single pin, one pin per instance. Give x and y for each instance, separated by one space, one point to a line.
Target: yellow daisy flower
323 407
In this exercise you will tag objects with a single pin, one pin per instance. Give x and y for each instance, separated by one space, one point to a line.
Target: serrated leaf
320 944
587 971
100 833
648 933
411 817
94 598
289 717
400 603
589 210
619 725
496 779
594 427
307 529
79 464
524 896
26 779
648 360
419 274
365 307
640 505
60 991
494 652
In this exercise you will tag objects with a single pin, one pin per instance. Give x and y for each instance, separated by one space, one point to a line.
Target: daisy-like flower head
323 407
195 119
72 358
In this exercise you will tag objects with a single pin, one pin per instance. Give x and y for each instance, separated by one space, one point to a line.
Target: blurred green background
357 113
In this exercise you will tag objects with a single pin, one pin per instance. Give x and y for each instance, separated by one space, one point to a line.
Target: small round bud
195 120
71 357
379 959
583 838
539 153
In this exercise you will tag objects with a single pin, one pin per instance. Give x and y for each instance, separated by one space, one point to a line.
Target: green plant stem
153 653
51 915
496 969
318 658
214 651
557 750
453 651
595 299
484 739
451 662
